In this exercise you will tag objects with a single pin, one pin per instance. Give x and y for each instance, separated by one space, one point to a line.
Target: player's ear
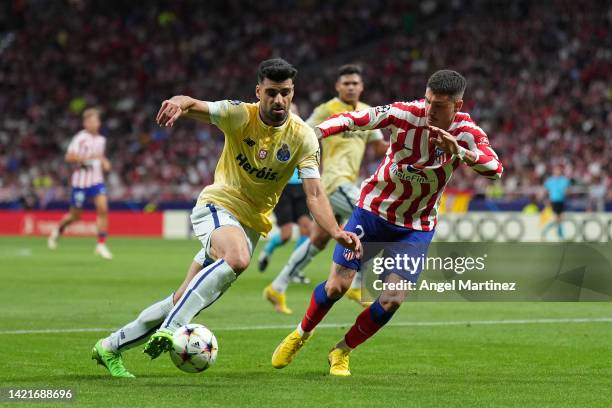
257 90
458 105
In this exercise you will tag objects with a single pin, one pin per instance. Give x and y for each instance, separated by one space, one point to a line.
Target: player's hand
443 140
106 165
349 240
168 113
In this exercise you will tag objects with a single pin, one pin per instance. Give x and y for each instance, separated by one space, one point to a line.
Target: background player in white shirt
86 154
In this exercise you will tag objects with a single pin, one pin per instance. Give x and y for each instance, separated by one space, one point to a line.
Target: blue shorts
400 241
80 195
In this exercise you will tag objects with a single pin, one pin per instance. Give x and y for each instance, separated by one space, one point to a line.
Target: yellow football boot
355 294
278 300
338 360
287 349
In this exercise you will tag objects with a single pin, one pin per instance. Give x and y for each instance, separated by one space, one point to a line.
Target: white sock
139 330
356 283
203 290
299 259
301 332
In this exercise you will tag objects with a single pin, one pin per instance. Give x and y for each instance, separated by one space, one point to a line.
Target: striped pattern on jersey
408 184
89 147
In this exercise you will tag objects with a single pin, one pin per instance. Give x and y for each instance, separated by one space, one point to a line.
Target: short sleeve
228 115
308 166
73 147
318 115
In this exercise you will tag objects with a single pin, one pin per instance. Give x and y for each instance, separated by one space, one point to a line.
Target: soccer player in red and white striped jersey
86 154
430 138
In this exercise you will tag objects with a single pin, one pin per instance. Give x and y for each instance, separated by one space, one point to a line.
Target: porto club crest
283 154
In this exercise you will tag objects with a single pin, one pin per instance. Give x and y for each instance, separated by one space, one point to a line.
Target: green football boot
160 342
111 360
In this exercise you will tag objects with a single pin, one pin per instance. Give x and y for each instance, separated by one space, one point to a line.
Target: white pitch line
12 253
339 325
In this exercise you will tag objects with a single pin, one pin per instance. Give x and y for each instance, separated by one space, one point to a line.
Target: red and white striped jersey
408 184
91 148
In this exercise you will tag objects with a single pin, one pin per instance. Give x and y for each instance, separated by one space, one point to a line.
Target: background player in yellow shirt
342 158
264 142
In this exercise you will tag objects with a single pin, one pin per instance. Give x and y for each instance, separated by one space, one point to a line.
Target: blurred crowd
539 82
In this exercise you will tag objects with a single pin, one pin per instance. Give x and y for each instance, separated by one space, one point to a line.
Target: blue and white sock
300 240
560 231
274 242
203 290
138 331
298 260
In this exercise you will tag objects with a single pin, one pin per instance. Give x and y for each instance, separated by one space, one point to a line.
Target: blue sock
300 240
321 296
560 230
548 227
379 315
274 242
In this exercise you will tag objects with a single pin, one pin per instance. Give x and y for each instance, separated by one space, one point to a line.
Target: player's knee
319 242
304 225
335 289
392 301
102 212
391 305
285 235
238 260
304 230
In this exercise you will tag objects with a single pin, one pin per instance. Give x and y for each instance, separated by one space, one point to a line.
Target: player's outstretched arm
319 207
181 105
106 164
377 117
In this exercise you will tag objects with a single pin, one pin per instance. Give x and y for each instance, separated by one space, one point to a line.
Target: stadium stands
539 83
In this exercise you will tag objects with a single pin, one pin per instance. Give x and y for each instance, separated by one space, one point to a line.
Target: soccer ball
194 348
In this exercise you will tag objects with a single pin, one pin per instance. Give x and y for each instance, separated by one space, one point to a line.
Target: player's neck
353 103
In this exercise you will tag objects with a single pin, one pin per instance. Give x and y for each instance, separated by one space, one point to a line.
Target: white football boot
52 240
103 251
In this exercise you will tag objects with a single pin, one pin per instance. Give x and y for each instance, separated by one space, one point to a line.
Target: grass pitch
55 305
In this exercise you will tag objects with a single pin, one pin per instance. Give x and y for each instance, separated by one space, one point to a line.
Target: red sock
102 238
318 308
367 324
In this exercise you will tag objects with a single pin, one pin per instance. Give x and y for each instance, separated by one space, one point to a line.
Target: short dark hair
275 69
87 113
348 69
447 82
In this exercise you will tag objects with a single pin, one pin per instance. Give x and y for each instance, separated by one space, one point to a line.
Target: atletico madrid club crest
263 154
348 254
